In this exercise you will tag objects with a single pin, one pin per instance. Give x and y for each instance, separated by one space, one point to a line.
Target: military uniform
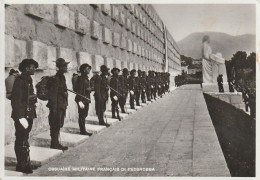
137 90
115 85
23 106
132 86
153 85
57 104
143 88
148 87
83 84
101 96
124 91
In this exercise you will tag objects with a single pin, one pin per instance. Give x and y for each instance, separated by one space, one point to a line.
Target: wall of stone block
120 36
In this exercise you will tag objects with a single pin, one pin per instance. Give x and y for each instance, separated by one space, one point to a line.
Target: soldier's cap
139 71
132 71
114 70
125 70
26 62
83 66
104 68
60 62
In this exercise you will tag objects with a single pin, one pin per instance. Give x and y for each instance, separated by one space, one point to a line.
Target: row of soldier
137 84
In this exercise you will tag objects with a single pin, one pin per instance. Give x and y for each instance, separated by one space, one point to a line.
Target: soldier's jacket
21 93
101 88
153 82
158 82
132 83
116 85
143 83
58 94
124 84
83 83
138 83
148 83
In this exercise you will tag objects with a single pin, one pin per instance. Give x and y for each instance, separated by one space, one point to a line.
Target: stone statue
212 64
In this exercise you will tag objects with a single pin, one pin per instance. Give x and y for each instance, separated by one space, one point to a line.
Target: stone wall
127 35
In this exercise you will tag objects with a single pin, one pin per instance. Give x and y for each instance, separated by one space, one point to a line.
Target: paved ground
173 136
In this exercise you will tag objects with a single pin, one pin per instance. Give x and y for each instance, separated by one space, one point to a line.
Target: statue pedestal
213 87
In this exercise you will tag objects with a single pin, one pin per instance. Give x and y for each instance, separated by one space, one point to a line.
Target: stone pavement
173 136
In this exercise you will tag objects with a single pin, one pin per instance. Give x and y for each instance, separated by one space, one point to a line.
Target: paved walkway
173 136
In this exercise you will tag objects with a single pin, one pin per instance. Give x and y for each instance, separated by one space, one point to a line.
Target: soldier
138 87
115 87
168 81
220 83
132 86
148 86
153 85
57 103
83 87
143 86
23 102
124 89
101 94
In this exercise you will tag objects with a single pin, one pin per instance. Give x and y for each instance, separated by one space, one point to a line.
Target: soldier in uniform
83 87
23 102
168 82
143 86
124 89
138 88
132 86
114 92
153 85
101 93
57 103
148 86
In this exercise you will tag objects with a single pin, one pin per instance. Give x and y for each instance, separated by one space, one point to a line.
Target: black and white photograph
130 89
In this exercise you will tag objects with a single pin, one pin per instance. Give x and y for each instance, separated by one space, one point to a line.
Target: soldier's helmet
114 70
132 71
104 68
125 71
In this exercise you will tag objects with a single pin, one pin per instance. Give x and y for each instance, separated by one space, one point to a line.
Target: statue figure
212 64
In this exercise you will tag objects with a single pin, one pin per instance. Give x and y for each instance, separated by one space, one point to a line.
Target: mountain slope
220 42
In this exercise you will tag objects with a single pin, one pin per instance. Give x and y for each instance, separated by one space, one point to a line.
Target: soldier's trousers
154 93
122 102
137 97
148 94
56 121
100 106
114 107
143 98
132 101
83 113
21 146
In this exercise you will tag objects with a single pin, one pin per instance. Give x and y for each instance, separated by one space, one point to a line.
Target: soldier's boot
101 120
23 158
82 127
55 144
117 112
113 113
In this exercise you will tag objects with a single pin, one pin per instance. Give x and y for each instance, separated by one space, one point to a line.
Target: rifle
115 90
79 94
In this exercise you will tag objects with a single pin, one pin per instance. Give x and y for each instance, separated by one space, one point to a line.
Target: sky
184 19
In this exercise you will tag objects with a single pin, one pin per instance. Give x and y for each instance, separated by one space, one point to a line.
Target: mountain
219 42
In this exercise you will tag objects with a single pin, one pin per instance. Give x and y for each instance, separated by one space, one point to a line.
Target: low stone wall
129 35
234 98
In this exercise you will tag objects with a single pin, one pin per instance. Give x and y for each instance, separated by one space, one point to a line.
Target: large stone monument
212 66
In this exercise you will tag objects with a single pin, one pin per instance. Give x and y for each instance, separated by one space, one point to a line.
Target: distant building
194 68
197 61
184 69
